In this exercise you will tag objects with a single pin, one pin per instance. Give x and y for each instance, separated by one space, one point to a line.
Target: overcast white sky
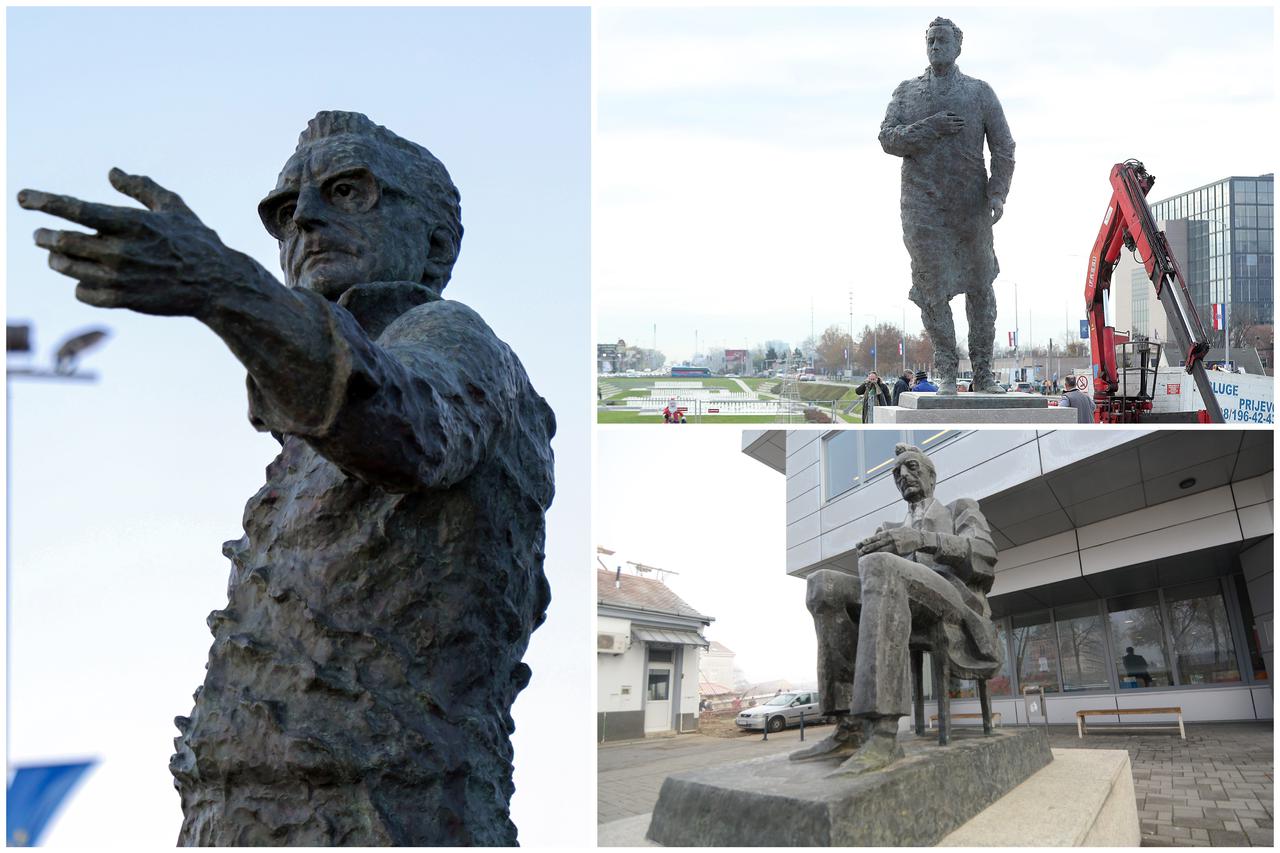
738 179
124 491
691 501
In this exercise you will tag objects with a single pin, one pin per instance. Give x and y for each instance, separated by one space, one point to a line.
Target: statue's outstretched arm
382 414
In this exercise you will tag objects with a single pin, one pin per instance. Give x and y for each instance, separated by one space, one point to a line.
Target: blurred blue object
35 793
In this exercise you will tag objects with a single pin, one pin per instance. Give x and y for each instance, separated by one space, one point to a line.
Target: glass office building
1135 567
1223 236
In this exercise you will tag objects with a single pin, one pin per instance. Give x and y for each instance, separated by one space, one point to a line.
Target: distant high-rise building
1223 236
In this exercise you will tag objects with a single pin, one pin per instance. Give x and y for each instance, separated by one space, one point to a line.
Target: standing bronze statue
931 570
359 686
937 123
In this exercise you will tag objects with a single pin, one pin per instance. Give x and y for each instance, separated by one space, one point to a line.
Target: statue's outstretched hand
162 260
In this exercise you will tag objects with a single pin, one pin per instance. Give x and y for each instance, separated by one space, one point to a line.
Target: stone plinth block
1084 798
931 400
776 802
902 415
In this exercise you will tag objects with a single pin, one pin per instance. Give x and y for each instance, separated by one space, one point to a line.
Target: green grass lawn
607 417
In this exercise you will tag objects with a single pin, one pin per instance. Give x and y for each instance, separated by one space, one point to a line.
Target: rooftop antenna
641 567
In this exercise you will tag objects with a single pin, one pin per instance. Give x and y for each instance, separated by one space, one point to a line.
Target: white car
781 711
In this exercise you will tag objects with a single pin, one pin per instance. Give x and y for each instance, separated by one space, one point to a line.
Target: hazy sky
123 491
689 500
740 186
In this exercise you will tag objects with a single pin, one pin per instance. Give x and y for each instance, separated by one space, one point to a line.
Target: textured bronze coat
382 596
946 221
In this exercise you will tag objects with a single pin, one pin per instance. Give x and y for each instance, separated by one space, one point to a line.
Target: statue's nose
310 210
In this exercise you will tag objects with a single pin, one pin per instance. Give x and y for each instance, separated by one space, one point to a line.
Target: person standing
903 384
1078 400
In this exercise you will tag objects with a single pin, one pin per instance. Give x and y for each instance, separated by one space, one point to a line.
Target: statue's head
942 41
913 473
356 204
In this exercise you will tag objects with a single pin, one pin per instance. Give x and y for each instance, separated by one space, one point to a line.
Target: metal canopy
666 635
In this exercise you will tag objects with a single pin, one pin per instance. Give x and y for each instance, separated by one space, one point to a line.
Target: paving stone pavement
1215 789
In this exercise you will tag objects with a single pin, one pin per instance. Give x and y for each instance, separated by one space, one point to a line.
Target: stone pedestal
1013 408
775 802
1083 798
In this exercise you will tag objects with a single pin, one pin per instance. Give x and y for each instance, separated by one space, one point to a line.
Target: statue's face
942 45
914 479
341 224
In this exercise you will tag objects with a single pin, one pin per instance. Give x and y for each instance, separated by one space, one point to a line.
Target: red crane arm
1130 224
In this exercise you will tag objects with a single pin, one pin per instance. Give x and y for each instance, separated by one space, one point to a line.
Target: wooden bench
1081 727
995 718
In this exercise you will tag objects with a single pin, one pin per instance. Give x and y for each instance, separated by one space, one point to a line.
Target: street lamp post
18 340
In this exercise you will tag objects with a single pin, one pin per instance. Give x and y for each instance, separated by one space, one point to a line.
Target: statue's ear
441 255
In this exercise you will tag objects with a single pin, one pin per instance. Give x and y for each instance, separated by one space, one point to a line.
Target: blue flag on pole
35 794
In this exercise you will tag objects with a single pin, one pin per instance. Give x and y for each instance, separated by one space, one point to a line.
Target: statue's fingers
77 244
79 268
99 296
102 217
143 189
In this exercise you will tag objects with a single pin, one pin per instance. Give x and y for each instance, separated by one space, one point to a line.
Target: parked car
781 711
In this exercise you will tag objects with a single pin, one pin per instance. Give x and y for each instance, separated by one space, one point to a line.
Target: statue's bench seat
1081 727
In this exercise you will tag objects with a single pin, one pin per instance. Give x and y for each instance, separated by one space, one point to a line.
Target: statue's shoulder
443 316
911 84
962 507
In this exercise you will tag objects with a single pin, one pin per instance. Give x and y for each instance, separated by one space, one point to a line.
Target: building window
1002 683
1201 634
1035 653
1082 647
659 655
1257 663
854 458
1137 634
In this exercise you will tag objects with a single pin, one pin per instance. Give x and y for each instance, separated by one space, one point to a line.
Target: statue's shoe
993 388
843 741
879 752
946 388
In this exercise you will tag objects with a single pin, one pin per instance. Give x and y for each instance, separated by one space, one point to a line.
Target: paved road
629 775
1216 788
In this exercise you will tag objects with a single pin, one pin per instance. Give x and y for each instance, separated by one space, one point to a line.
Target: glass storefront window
1082 647
1035 653
1256 661
1002 683
1137 635
1201 635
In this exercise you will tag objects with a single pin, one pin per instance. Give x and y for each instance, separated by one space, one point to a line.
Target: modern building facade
1135 566
648 642
1223 236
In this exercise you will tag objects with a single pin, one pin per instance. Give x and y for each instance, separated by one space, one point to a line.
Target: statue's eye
354 193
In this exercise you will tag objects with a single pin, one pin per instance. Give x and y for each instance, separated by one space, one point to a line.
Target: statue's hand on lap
162 260
903 541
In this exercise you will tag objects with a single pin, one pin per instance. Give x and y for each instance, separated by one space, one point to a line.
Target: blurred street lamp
18 338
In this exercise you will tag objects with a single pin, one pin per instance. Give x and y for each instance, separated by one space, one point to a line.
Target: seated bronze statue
932 570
